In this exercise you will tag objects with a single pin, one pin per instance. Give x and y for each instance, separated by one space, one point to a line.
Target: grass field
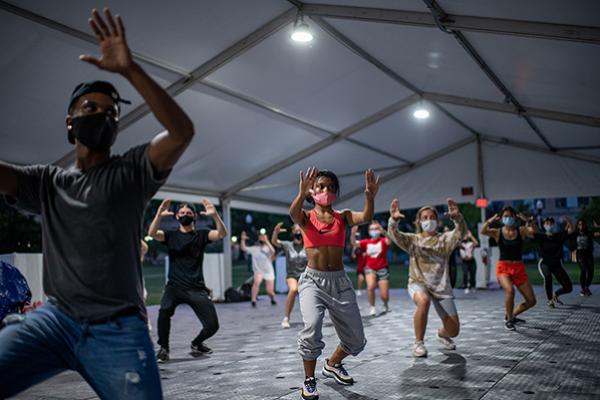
154 277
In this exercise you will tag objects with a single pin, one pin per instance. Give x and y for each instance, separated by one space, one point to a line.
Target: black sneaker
337 372
510 325
254 304
588 292
309 389
518 320
273 302
162 356
556 300
200 349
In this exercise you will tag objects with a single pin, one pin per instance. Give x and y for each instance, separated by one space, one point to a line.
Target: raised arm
265 239
529 229
366 215
460 227
275 235
243 238
166 148
402 239
305 189
163 211
491 232
8 179
210 211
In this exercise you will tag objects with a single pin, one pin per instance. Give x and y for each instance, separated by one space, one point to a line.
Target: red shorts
514 269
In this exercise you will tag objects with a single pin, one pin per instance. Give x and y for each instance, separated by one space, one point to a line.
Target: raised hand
115 55
307 182
163 209
278 228
371 182
209 208
395 210
243 236
453 210
354 230
495 218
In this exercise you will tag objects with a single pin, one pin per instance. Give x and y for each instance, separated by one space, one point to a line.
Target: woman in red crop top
324 285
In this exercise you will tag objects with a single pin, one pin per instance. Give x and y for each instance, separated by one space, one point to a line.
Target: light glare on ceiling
301 33
421 113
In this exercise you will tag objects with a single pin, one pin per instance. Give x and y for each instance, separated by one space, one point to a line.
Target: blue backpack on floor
14 290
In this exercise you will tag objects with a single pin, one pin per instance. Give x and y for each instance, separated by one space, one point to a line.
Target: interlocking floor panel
554 355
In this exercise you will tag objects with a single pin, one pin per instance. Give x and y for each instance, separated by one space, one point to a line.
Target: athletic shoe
447 342
162 356
372 311
582 293
551 304
253 304
419 349
199 349
359 292
273 302
467 291
337 372
285 323
588 292
518 320
309 389
556 300
510 325
386 308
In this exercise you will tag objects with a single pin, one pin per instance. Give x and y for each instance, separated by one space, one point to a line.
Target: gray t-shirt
295 259
91 232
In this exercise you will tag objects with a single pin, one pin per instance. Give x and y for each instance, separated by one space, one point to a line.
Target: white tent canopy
513 90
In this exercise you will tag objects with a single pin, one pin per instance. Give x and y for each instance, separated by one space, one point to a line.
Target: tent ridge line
489 25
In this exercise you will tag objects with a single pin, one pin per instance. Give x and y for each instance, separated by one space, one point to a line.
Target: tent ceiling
264 108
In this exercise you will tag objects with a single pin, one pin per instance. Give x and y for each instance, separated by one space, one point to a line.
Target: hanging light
421 112
301 33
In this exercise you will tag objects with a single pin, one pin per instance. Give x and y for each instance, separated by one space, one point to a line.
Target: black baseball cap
96 87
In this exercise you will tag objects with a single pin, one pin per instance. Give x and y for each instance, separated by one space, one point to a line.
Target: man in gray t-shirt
95 320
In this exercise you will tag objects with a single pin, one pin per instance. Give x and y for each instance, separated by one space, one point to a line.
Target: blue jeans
116 358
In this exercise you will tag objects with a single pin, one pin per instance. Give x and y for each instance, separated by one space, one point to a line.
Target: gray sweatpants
333 291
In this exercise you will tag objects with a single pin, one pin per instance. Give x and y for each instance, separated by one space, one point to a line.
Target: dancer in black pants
467 250
585 255
186 281
551 243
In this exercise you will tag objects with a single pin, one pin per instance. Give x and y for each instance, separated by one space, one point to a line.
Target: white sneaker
446 342
285 323
419 350
467 290
372 311
359 292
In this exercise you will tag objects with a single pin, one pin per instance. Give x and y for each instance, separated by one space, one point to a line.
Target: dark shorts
383 274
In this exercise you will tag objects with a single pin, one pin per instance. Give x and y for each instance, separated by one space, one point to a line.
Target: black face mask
97 131
186 220
298 236
261 241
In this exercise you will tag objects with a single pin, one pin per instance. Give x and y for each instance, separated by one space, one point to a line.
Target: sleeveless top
511 250
318 234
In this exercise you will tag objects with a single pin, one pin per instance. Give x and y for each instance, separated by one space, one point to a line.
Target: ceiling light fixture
301 33
421 112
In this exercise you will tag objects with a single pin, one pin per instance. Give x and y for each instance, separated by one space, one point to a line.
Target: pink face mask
324 198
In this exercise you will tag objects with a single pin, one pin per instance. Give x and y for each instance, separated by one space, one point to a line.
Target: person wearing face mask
551 243
361 261
584 239
377 272
295 264
428 279
185 284
510 269
324 284
95 319
467 249
262 254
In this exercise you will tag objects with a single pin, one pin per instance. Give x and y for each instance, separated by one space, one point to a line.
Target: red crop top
318 234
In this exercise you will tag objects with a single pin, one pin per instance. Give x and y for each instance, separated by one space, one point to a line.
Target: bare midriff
325 258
